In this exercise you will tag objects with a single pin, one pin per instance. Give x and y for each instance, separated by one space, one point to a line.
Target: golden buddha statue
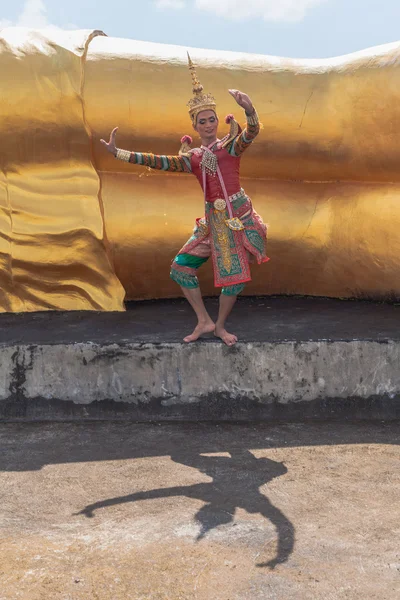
79 230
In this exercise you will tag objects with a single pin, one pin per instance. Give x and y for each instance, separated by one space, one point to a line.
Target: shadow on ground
235 484
236 479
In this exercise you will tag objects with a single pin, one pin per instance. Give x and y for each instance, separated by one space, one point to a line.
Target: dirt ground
119 511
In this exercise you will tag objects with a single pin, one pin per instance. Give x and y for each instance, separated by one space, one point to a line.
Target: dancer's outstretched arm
161 162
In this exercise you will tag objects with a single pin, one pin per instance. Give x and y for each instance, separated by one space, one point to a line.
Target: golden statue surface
79 229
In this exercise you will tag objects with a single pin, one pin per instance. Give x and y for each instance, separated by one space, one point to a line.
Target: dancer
231 232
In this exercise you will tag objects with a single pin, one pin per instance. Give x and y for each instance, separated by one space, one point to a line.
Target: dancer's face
207 126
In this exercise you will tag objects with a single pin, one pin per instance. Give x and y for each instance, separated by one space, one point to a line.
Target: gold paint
323 172
52 249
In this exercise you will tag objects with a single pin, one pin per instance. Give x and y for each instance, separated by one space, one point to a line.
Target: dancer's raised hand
110 145
243 100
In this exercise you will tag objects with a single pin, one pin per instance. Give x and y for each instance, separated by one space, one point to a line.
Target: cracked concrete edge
200 381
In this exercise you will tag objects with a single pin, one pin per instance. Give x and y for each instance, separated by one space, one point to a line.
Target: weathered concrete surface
283 368
204 381
97 511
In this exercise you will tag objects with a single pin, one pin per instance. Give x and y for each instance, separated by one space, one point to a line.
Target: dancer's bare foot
228 338
201 328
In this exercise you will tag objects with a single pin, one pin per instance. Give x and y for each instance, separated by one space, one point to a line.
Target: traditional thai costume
231 232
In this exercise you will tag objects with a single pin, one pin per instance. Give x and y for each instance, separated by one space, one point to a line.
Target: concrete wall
203 381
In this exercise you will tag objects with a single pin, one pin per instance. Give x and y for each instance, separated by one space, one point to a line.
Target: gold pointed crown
199 101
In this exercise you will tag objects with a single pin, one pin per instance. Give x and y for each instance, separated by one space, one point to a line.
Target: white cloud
269 10
171 4
34 16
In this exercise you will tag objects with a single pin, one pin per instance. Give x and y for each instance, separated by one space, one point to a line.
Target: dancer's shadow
236 483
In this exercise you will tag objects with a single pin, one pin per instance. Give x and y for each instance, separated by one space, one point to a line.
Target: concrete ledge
298 359
203 381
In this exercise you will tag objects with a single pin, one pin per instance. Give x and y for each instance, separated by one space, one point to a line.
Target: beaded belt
237 195
220 204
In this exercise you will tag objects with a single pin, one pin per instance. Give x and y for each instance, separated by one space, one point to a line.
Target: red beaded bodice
229 166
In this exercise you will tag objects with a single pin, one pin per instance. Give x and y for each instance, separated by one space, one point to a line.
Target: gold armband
123 155
252 119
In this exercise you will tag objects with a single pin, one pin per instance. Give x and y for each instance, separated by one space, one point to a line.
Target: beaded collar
209 160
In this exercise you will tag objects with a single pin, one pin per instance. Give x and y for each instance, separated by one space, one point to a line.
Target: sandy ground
118 511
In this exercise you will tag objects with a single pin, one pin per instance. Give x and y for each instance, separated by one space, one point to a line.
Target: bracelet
123 155
252 119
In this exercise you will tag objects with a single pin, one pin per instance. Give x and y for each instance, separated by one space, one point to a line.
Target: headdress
199 101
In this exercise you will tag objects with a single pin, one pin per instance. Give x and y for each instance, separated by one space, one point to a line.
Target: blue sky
292 28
